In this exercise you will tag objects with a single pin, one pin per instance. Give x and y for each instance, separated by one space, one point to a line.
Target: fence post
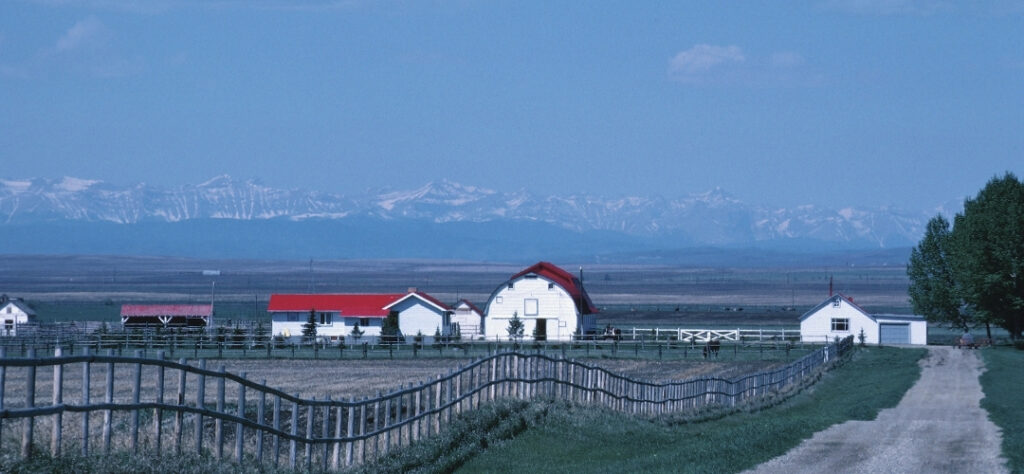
350 446
218 423
277 427
387 423
362 429
201 405
85 400
310 414
337 444
326 430
179 416
260 415
295 432
58 399
239 427
108 398
30 401
157 412
136 397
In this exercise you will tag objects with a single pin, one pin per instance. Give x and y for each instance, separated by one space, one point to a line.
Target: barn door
541 333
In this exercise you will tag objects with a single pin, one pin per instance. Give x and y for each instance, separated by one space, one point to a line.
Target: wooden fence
180 414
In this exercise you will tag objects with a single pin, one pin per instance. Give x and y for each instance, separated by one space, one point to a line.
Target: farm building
469 318
14 313
550 301
337 315
838 316
167 315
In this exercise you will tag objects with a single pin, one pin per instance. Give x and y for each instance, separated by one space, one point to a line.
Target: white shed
420 313
469 318
14 313
838 316
550 302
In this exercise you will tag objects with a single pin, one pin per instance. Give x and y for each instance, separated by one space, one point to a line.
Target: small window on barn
499 300
836 303
531 277
840 324
551 286
511 285
530 307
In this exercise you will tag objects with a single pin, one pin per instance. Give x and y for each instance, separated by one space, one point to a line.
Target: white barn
838 316
14 313
550 302
337 315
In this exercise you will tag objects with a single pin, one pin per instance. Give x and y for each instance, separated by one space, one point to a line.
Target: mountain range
440 217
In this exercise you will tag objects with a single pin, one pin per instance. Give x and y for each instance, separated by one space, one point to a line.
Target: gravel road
938 427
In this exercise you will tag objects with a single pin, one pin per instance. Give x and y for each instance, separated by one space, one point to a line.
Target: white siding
818 326
415 316
339 326
553 304
469 321
11 316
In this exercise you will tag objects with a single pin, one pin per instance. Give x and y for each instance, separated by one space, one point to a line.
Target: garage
890 333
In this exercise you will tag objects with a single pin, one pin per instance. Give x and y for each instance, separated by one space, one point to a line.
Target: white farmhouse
838 316
550 301
336 315
14 313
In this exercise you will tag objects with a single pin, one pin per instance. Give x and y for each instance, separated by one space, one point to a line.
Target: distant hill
225 217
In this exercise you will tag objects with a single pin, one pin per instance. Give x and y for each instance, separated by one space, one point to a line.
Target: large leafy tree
989 258
934 291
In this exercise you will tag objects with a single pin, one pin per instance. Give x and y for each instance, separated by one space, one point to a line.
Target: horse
711 348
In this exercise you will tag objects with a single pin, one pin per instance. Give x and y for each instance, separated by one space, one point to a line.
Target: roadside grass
582 440
1003 385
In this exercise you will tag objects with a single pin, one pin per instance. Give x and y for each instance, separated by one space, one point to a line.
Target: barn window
840 324
499 300
511 285
530 307
836 303
551 286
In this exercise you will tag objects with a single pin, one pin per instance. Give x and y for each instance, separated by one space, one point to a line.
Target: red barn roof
350 305
565 280
189 310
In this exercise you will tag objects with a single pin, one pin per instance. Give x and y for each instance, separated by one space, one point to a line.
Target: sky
904 103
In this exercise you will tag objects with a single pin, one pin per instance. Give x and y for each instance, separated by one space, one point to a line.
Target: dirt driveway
937 427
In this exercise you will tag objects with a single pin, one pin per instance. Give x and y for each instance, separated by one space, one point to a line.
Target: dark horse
711 348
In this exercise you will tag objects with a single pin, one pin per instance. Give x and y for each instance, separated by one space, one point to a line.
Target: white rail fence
180 414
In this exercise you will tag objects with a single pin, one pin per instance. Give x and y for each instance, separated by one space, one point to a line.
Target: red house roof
348 305
565 280
188 310
423 296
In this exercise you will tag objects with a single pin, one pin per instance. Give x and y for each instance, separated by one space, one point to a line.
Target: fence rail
337 432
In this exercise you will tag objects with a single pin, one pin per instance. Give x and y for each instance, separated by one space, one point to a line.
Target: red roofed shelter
167 315
551 302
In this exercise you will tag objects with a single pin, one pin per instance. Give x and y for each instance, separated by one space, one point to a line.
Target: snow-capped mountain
711 218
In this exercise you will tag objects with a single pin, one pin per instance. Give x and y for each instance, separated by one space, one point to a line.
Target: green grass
582 440
1003 386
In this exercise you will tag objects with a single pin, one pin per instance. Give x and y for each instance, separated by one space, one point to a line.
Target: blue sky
832 102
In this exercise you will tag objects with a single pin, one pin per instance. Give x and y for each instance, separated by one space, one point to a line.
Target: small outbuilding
14 313
838 316
550 302
167 315
469 318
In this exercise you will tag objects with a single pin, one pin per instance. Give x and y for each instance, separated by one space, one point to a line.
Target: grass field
579 440
1003 386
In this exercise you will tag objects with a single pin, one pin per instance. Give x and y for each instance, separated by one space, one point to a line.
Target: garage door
895 334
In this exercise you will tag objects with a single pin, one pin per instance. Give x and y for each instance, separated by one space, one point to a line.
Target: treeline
969 273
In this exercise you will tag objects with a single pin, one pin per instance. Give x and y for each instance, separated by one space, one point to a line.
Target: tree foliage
309 328
973 274
515 327
389 332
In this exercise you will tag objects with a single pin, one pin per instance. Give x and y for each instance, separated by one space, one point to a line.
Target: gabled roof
874 317
564 279
470 305
348 305
18 303
188 310
430 300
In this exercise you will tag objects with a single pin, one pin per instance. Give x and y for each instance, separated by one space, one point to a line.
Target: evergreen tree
389 333
515 327
309 328
356 333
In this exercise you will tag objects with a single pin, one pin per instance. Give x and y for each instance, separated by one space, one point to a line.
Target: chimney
413 289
